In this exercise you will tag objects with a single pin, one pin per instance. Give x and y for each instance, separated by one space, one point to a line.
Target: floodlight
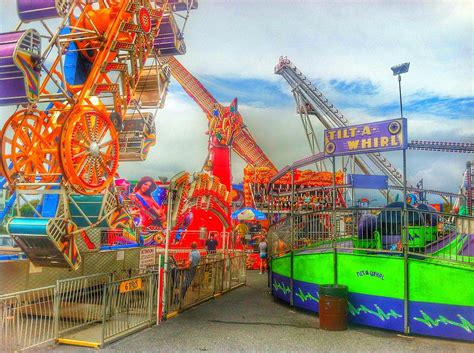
400 69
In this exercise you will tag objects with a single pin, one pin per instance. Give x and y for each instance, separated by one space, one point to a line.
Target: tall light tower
398 70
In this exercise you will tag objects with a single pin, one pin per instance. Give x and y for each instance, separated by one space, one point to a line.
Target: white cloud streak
326 40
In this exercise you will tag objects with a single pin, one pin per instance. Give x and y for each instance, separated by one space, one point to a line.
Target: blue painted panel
306 295
362 181
281 287
441 320
372 310
430 319
24 225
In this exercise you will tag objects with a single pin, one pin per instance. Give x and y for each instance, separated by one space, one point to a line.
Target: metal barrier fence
128 306
105 307
429 234
27 318
79 301
188 287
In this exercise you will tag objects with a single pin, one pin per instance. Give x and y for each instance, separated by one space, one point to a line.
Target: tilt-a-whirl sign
380 136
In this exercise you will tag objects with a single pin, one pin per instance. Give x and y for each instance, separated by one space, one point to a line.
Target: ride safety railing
101 308
27 319
422 233
191 286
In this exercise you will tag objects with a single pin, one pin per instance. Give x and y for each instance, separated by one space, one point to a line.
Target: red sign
145 20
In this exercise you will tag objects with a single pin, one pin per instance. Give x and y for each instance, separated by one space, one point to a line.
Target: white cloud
331 40
326 40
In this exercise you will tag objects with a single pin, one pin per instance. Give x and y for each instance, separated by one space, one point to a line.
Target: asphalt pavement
249 319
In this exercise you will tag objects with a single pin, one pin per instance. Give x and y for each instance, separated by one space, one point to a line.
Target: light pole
398 70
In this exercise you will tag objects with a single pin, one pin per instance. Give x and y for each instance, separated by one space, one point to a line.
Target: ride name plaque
380 136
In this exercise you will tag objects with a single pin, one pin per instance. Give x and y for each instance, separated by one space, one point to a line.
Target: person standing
192 263
242 231
211 245
262 249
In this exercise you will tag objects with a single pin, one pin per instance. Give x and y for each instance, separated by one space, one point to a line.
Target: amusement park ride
88 78
311 102
87 93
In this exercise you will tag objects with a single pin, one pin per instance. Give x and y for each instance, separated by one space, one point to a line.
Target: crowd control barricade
27 319
78 302
128 306
97 309
191 286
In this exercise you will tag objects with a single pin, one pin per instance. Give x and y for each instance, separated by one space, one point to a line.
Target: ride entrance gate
87 311
100 311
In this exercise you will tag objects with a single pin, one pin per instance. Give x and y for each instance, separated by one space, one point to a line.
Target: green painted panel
440 283
374 275
430 281
282 265
314 268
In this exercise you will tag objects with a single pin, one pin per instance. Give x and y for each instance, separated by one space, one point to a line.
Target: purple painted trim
431 319
10 37
441 320
34 10
13 92
281 287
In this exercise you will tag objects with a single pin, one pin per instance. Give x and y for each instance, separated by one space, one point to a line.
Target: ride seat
152 86
43 241
19 74
137 136
169 40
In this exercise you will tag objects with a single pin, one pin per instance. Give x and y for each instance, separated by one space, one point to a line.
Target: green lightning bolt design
307 296
281 286
428 321
382 315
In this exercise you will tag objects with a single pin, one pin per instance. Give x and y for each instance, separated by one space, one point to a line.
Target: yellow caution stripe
72 342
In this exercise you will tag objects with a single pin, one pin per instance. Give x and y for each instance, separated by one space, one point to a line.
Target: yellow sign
131 285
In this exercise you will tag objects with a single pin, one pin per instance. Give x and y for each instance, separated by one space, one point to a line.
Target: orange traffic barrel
333 307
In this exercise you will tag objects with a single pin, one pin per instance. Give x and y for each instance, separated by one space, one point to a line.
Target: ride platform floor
249 319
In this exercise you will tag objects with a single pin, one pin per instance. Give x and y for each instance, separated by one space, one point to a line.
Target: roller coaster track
433 192
310 101
243 142
438 146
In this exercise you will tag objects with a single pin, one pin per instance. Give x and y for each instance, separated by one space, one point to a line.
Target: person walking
262 248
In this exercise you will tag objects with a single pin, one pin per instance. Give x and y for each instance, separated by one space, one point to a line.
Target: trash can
333 307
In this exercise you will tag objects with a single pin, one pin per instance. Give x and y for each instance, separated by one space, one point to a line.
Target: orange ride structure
82 90
86 82
227 131
226 128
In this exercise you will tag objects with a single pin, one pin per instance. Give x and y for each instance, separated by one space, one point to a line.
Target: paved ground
250 320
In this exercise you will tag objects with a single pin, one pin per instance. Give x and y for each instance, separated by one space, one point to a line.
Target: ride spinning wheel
28 148
79 83
89 150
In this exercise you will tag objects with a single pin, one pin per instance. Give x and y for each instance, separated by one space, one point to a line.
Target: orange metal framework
240 137
76 135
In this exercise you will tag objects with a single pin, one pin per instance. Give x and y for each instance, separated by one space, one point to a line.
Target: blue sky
346 49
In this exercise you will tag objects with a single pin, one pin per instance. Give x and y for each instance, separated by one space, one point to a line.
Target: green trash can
333 307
